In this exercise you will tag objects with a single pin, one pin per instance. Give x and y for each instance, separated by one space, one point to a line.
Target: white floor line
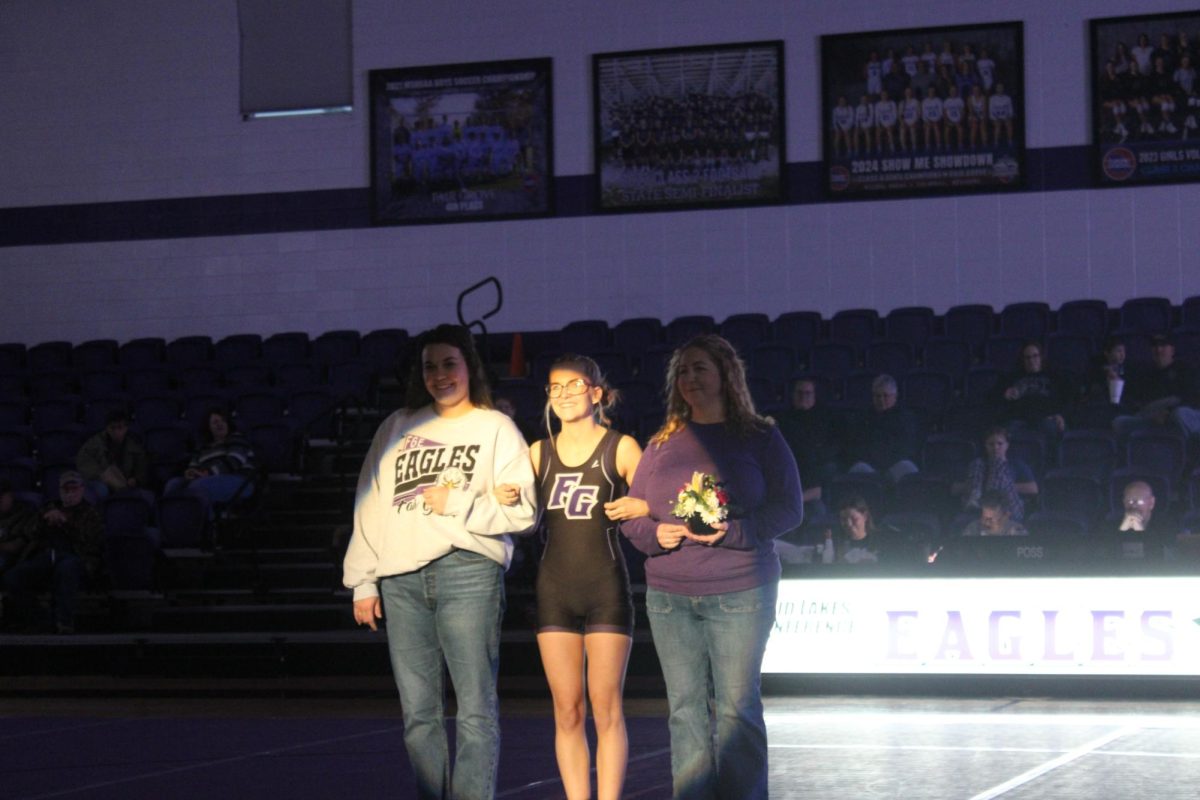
212 763
970 749
929 747
1053 764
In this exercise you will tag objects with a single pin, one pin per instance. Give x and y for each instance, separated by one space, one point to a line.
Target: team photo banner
1146 99
461 142
923 111
689 127
1001 626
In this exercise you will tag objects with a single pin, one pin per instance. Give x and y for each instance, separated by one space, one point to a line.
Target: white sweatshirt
394 531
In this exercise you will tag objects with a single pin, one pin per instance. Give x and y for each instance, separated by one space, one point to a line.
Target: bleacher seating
307 402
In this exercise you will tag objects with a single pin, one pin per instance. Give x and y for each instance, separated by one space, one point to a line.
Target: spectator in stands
810 431
112 460
1034 397
426 516
223 470
506 407
886 438
1162 395
995 472
994 518
1142 533
711 597
1107 368
18 521
862 540
64 553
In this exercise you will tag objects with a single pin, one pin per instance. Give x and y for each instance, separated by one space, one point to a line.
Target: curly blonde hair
740 415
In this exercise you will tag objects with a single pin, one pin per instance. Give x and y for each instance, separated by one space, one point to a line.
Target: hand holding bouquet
702 504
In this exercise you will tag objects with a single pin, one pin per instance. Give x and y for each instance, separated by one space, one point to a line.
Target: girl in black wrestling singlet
583 597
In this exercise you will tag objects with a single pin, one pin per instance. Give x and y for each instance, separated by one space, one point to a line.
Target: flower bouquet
702 503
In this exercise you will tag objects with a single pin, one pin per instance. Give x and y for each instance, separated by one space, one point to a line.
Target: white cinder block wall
116 100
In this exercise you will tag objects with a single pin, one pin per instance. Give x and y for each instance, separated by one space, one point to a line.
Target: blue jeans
711 650
448 612
63 572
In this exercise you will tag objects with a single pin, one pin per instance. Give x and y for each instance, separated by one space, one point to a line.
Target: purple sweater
758 471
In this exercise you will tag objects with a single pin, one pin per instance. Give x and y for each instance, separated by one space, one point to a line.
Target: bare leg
607 658
562 658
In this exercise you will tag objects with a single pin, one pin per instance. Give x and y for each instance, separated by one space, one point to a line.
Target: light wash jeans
711 650
448 612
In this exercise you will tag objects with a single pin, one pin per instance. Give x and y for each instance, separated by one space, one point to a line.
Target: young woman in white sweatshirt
428 554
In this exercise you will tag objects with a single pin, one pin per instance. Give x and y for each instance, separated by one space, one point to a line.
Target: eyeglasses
568 389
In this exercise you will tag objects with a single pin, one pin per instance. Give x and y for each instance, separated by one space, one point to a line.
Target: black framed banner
461 142
923 111
689 127
1145 101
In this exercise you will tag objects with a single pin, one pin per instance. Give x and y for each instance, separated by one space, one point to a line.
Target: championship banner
1000 626
923 111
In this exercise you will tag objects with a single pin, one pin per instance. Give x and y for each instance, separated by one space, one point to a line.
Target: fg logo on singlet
575 500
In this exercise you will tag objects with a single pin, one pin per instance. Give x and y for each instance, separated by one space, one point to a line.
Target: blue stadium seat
1089 452
945 354
799 329
1084 318
280 348
637 335
972 323
911 324
856 326
946 455
148 351
1029 320
929 391
1069 352
585 336
894 358
94 354
239 348
680 329
746 331
1004 352
1068 492
189 350
833 359
1148 315
49 356
336 347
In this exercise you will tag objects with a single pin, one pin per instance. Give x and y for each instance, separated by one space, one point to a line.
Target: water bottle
827 550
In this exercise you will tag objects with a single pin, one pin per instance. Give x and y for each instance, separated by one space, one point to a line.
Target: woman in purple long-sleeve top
711 597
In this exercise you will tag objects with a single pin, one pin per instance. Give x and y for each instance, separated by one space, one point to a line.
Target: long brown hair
740 415
417 396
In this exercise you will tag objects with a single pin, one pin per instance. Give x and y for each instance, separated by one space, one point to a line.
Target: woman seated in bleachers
1034 397
995 472
223 469
862 539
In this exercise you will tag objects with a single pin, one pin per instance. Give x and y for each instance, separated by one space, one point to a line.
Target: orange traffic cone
516 362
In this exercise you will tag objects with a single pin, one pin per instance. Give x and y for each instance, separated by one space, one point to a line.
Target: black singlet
582 582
